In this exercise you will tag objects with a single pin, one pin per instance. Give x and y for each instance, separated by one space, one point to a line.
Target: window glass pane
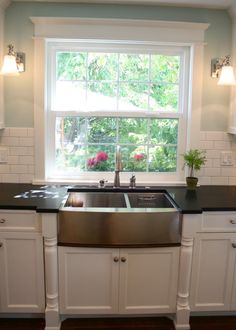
102 96
165 68
101 130
71 65
162 159
102 66
70 138
164 97
134 67
134 158
89 144
133 96
101 158
164 131
133 130
71 160
70 95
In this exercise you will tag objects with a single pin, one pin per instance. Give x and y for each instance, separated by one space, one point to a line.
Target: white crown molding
117 29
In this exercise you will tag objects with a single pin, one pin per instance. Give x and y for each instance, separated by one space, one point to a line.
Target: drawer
19 221
219 221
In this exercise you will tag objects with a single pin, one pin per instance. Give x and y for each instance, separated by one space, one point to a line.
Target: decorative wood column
191 223
49 229
183 308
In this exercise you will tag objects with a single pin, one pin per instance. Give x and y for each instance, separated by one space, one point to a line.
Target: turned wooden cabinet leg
52 317
183 307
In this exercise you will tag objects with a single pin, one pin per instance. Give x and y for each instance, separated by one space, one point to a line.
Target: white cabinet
21 263
213 282
103 281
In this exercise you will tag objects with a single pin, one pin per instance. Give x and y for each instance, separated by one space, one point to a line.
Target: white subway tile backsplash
19 169
26 141
4 168
18 131
206 145
222 145
228 171
215 136
31 169
215 162
11 178
17 151
30 132
212 171
10 141
219 180
25 178
27 160
212 153
202 136
203 180
4 132
13 160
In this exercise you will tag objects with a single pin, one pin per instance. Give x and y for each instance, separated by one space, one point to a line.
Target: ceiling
224 4
218 4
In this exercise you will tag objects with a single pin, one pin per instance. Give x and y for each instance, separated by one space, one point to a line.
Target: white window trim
157 32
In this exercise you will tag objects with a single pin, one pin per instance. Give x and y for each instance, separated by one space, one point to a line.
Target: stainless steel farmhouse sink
106 219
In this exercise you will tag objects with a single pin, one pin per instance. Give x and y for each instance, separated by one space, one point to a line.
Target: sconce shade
226 76
9 67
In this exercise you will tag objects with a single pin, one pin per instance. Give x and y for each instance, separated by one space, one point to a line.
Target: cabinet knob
2 220
1 244
116 259
233 222
234 245
123 259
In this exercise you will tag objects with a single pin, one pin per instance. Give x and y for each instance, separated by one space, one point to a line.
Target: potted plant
193 159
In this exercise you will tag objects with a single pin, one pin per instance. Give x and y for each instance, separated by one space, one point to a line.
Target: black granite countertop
49 198
31 197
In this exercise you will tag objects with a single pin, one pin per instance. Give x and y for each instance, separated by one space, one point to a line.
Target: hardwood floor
153 323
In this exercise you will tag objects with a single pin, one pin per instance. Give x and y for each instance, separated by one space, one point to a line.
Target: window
148 38
104 95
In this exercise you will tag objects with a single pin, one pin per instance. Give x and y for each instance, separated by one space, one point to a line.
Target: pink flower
92 162
101 156
139 157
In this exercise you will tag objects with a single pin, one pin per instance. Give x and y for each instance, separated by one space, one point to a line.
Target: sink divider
127 200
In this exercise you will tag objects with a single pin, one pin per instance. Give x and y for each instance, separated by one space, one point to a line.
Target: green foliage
146 144
194 159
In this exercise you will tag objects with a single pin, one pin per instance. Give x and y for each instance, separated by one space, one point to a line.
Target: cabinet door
21 273
148 280
212 272
88 280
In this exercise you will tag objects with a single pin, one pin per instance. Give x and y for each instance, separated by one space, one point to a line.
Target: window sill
58 181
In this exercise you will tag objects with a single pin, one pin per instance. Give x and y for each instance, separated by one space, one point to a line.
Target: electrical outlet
3 155
227 158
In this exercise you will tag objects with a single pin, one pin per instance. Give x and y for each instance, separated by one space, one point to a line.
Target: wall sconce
222 69
13 63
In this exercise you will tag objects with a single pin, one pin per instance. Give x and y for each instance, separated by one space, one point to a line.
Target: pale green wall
19 31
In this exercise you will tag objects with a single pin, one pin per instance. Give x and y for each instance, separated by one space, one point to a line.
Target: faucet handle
132 181
101 183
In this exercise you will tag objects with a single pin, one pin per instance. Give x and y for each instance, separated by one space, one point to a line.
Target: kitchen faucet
118 168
